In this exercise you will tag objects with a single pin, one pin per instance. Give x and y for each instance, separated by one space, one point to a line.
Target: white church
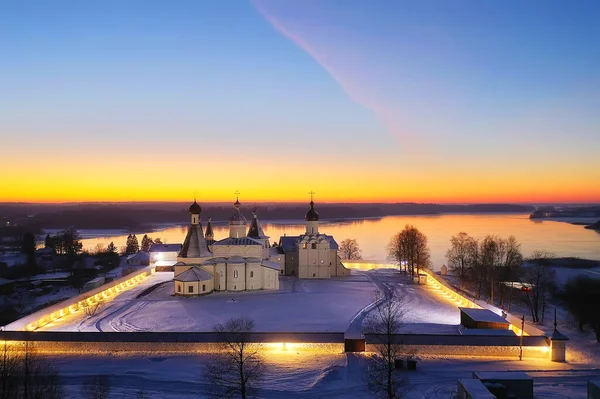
245 261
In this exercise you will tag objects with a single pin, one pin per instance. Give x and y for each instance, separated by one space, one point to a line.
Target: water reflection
373 235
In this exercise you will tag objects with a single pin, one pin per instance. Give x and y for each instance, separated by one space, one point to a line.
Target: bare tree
410 247
24 374
578 295
23 300
238 368
92 309
509 260
462 256
540 279
381 326
488 263
96 387
349 249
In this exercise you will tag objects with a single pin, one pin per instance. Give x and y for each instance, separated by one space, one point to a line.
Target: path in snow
338 304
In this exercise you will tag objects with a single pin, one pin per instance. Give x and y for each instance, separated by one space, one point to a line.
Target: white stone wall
236 276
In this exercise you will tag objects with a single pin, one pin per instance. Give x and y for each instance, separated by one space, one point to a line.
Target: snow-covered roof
165 248
558 336
484 315
218 260
194 274
194 245
139 256
487 331
288 243
165 263
238 241
502 375
271 265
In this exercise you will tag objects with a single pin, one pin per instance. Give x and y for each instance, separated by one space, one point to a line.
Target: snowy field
335 305
303 375
563 274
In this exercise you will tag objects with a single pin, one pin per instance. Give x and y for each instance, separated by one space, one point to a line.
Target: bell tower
312 218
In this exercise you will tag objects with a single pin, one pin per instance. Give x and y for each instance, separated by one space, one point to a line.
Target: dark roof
255 230
558 336
237 241
195 208
195 245
194 274
312 215
288 243
209 230
165 247
483 315
238 218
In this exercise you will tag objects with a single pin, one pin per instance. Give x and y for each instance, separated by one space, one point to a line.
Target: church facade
241 262
246 261
311 255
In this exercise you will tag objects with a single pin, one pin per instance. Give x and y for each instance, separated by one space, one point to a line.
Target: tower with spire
194 245
208 234
312 218
312 254
256 232
237 221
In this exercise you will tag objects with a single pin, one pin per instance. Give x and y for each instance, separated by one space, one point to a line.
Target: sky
358 101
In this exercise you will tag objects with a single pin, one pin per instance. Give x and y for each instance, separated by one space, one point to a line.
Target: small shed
471 388
482 318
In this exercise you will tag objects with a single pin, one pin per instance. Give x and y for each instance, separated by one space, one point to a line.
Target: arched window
178 288
314 245
251 274
235 274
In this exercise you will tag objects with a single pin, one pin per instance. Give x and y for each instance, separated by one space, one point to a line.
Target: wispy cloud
354 89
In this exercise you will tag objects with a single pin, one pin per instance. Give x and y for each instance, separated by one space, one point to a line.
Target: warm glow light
91 300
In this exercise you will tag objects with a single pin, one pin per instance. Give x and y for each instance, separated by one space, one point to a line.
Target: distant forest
135 216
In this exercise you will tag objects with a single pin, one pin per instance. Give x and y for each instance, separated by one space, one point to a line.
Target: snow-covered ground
333 305
582 347
563 274
298 374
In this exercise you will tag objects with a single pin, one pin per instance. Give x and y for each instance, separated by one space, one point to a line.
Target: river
373 235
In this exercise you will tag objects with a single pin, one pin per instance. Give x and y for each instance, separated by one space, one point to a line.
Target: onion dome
312 215
237 217
195 208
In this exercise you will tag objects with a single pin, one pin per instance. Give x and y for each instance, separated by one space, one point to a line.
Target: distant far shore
572 263
138 216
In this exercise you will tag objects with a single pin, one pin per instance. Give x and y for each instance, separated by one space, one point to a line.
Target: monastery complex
246 260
